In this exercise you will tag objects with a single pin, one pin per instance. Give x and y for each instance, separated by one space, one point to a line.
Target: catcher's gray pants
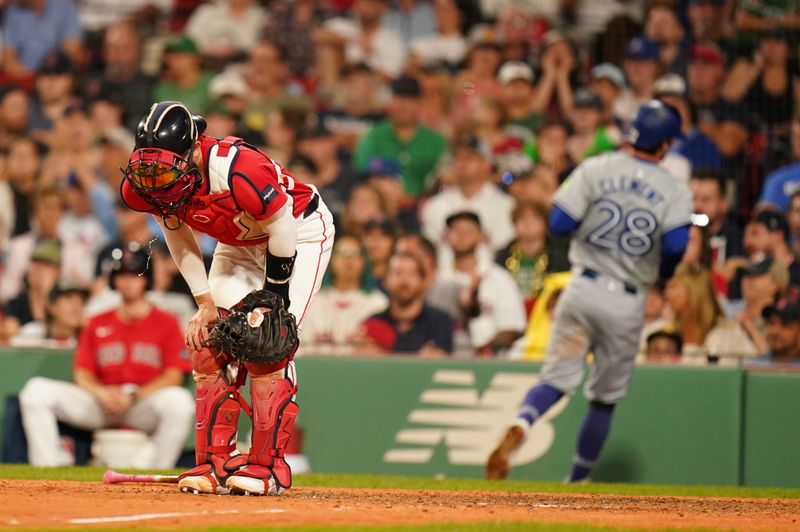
166 414
595 315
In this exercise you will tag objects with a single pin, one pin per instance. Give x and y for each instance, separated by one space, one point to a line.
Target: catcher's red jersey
241 186
135 352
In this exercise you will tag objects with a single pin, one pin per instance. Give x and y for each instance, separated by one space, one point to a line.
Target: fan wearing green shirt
184 79
417 148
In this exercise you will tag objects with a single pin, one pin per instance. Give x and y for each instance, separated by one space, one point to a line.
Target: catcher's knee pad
274 414
217 417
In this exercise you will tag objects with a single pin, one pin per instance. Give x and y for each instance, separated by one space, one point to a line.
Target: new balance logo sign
469 424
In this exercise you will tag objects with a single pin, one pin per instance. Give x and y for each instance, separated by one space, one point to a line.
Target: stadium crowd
436 132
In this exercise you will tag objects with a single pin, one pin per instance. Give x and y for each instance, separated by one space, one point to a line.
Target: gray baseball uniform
624 206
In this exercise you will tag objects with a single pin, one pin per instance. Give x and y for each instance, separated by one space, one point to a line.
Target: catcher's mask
165 180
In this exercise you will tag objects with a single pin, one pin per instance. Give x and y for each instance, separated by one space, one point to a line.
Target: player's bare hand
113 400
197 331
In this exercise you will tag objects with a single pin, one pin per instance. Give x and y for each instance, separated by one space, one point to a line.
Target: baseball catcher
274 238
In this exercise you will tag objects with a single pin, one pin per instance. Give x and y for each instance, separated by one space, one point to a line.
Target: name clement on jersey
630 185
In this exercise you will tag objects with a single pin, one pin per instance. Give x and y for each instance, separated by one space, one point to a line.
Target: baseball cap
772 220
384 225
381 166
641 48
66 286
406 86
227 83
768 266
182 44
484 36
787 311
514 70
48 251
56 64
586 99
670 85
707 53
471 142
463 215
317 131
610 72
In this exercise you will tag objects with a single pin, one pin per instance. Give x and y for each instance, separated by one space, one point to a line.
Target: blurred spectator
129 368
488 120
781 184
793 220
34 29
479 75
724 235
416 147
754 17
446 45
184 79
768 233
766 84
696 315
698 149
526 257
723 122
663 26
559 75
365 38
133 227
40 277
411 19
23 167
378 239
122 52
48 210
359 108
13 114
384 175
291 25
492 309
589 135
409 326
472 191
442 293
608 82
663 348
549 150
107 110
764 282
226 29
284 126
436 99
62 321
366 203
642 67
54 90
783 333
267 76
518 95
335 176
335 317
708 21
97 16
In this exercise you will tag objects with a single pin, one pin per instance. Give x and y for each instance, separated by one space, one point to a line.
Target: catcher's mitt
258 329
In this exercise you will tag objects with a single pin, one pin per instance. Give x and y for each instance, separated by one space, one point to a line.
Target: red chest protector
241 187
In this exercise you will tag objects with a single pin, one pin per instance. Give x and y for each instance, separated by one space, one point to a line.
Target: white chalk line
150 516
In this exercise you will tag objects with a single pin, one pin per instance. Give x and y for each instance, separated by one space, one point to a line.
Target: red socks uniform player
274 232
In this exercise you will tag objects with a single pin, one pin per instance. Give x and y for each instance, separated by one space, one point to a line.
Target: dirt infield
80 505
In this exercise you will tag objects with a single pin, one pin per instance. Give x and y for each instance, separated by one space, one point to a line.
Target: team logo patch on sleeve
267 193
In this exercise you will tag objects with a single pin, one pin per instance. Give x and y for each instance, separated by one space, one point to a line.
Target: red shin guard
274 413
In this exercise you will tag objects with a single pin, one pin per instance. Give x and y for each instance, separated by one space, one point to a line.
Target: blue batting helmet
654 123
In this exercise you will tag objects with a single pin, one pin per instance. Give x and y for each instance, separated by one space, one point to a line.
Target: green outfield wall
406 416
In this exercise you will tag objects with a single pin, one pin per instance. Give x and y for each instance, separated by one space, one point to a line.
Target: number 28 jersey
624 205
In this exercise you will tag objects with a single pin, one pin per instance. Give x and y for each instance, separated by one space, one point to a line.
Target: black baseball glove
258 329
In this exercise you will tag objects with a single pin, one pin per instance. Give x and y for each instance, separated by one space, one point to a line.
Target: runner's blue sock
591 438
538 401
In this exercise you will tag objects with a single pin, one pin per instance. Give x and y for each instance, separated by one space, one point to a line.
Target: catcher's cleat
499 464
210 478
254 480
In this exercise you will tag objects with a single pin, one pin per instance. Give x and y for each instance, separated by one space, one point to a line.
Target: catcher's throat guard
259 329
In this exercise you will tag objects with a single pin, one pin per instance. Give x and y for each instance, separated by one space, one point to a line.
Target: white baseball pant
167 415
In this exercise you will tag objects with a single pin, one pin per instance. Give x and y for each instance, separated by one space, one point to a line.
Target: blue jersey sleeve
673 245
560 222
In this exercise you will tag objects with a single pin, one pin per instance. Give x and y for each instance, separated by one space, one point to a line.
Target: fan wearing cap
184 79
783 333
767 233
129 367
447 45
416 147
608 82
274 232
589 136
518 95
698 149
63 319
53 93
642 67
721 120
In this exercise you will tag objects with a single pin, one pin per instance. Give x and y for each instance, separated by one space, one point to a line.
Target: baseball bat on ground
112 477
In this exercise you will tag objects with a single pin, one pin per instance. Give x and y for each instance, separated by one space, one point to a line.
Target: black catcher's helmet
160 168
